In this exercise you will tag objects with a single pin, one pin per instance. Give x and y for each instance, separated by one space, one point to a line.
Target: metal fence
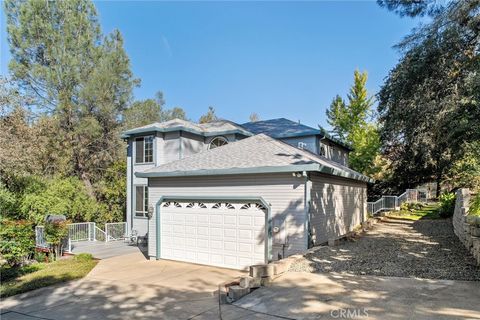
395 202
85 231
116 231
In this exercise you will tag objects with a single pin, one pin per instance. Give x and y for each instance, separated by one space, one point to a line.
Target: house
234 195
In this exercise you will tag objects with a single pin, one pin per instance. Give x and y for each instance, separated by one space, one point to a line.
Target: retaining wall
468 233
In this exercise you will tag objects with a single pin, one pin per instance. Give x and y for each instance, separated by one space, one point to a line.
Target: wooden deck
104 250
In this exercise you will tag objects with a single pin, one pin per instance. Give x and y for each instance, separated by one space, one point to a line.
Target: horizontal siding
309 141
283 192
337 206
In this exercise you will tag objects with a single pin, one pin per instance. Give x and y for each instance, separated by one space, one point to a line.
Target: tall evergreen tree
76 75
428 105
210 116
350 123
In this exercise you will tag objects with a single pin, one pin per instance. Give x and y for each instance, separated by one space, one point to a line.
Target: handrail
393 202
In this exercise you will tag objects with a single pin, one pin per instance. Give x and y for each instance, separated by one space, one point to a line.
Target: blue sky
279 59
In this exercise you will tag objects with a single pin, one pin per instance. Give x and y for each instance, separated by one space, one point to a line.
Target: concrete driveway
127 287
302 295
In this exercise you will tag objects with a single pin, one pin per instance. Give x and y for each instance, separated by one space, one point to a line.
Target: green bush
447 204
55 232
475 206
17 241
411 206
83 257
60 196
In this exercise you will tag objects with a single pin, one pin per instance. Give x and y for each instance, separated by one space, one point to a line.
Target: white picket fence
85 231
388 203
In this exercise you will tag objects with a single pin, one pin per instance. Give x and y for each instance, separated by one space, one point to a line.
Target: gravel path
399 248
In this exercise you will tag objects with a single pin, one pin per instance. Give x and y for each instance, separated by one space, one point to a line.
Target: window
302 145
217 142
322 151
141 201
144 150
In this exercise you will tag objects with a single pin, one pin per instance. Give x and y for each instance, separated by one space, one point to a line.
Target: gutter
255 170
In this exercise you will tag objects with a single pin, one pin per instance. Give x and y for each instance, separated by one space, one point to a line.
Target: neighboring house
234 195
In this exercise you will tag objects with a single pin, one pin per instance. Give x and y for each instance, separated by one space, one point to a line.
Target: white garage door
223 234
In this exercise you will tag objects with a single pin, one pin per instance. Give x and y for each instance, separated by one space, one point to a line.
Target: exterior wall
283 192
137 223
337 206
334 152
309 141
169 146
191 144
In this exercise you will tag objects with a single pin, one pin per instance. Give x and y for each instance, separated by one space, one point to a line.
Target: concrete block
475 231
333 242
250 282
281 266
236 292
261 270
267 281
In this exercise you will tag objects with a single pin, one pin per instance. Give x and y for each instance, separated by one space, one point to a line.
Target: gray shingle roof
285 128
206 129
257 154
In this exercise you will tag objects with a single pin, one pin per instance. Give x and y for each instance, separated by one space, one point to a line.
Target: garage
221 233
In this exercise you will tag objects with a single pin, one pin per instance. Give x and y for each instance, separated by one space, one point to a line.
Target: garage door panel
220 234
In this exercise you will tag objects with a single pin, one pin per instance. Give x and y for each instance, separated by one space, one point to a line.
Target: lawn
40 275
429 211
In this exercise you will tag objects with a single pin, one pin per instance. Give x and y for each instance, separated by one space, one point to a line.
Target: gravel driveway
399 248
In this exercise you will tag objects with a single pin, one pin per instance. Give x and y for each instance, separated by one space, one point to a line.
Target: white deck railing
116 231
387 203
85 231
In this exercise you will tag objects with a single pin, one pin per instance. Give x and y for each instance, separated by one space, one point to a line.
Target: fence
84 231
394 202
116 231
41 242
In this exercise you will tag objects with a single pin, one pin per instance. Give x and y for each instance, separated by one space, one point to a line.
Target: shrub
475 206
17 241
411 206
60 196
55 232
447 204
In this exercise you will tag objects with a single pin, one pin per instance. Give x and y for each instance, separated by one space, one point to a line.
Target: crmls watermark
349 313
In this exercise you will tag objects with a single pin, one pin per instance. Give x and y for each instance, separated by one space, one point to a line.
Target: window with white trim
141 201
144 149
217 142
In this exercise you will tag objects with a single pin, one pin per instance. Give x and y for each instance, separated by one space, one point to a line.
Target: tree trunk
438 180
88 184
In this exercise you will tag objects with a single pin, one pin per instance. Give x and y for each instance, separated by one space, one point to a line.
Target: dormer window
217 142
322 151
144 149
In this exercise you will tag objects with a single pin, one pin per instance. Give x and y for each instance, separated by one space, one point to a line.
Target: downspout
132 191
307 199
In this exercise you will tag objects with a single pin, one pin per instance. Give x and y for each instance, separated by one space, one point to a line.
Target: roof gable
219 127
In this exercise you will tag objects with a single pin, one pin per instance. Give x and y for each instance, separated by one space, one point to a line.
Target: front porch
87 237
104 250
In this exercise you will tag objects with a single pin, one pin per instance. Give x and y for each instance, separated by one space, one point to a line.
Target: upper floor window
144 149
217 142
322 151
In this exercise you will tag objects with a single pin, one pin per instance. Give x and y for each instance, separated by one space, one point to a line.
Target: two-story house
233 195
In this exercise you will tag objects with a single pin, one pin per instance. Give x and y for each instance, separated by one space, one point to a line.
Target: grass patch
429 211
39 275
